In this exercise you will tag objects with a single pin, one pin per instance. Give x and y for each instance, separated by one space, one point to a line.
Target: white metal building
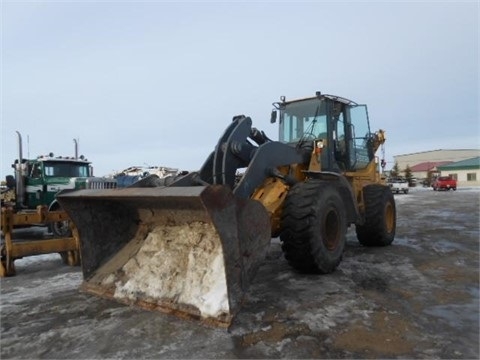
433 161
435 156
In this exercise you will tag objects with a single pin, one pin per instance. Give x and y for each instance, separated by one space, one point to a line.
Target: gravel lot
418 298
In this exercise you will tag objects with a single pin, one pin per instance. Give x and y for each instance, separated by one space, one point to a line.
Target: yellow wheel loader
192 246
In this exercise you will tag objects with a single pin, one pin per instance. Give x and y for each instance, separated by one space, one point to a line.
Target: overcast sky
156 82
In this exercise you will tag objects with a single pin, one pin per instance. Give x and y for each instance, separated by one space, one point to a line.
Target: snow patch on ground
36 259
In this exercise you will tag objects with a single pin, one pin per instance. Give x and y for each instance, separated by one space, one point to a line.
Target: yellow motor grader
192 247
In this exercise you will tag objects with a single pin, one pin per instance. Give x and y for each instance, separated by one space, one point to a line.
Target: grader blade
190 251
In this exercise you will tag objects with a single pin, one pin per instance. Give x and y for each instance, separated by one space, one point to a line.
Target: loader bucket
189 251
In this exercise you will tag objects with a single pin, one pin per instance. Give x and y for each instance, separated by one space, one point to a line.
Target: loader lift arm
235 150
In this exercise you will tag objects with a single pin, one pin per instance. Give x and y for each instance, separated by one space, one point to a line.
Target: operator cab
341 125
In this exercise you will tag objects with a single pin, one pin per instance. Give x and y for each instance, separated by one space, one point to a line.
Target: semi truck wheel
60 229
380 217
314 227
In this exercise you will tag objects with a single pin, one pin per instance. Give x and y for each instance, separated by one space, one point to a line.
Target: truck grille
100 183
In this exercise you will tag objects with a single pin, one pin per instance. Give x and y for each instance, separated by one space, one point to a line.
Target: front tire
380 217
314 227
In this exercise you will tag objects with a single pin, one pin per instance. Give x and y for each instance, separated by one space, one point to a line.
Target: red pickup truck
444 183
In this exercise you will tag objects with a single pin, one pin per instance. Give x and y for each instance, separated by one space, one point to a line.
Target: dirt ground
418 298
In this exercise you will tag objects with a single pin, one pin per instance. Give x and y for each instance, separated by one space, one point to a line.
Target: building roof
428 165
472 163
436 150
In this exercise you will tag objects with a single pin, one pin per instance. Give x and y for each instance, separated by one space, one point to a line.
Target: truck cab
47 175
38 181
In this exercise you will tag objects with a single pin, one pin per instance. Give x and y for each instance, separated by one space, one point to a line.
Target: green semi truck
37 182
28 199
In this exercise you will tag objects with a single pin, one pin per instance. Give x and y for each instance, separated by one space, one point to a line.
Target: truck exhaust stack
190 251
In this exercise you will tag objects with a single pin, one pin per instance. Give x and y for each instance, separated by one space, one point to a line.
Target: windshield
306 119
66 169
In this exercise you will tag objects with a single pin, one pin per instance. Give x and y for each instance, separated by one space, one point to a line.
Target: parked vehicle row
401 185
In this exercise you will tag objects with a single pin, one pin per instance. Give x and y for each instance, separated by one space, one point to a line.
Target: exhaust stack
75 141
19 175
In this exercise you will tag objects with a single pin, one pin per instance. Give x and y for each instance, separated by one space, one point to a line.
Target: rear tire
314 227
380 217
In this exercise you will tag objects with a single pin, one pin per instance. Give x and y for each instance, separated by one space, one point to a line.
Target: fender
346 192
54 205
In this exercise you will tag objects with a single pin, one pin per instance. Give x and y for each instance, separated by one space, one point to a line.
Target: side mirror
273 116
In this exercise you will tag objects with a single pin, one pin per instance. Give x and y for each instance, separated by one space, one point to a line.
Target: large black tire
314 227
380 217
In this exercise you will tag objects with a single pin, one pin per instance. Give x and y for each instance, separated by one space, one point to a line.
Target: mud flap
190 251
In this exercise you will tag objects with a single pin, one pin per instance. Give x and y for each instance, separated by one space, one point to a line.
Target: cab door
359 142
35 185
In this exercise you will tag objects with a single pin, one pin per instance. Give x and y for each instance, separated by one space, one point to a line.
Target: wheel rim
331 230
61 228
389 217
